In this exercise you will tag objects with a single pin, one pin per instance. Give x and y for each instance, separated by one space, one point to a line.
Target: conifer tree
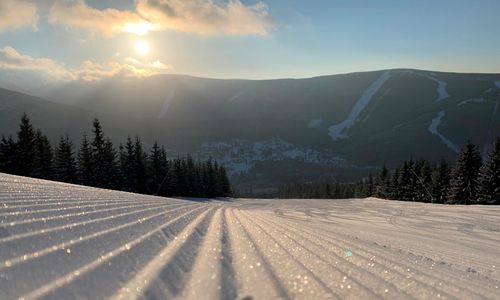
26 151
97 148
127 166
140 162
45 156
405 182
489 179
65 166
424 182
464 176
155 168
8 153
109 171
440 181
369 186
84 166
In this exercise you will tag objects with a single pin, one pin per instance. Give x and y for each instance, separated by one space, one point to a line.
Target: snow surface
62 241
433 129
339 131
170 97
497 84
488 90
474 100
315 123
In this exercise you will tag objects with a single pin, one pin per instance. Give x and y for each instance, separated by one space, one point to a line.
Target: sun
142 47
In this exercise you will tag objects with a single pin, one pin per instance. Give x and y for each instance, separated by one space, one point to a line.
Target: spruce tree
405 183
110 174
424 183
26 151
155 168
440 181
8 155
65 166
464 176
97 148
489 179
84 166
140 162
45 156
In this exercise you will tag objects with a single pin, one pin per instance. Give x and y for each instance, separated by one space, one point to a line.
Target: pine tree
84 166
127 166
369 186
440 181
110 178
8 155
155 168
97 148
489 179
140 162
405 182
45 156
65 166
464 176
394 188
26 151
424 182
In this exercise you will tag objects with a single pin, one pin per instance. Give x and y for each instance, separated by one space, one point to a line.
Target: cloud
159 65
17 14
117 54
117 70
132 60
207 16
90 65
50 69
76 14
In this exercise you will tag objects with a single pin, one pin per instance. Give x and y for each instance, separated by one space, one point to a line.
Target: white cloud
159 65
17 14
115 70
132 60
207 16
117 54
52 71
76 14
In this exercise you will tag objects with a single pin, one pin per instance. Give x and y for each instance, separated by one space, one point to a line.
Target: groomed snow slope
61 241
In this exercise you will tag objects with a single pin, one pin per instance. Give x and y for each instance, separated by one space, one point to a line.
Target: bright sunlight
142 47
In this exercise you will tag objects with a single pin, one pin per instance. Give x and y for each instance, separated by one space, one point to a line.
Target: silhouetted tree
489 179
464 176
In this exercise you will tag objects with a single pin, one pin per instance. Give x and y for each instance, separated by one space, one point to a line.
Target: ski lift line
157 191
418 177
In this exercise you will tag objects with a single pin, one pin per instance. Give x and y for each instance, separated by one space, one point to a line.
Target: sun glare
142 47
140 29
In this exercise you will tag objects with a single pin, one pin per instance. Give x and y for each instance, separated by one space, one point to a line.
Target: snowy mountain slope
382 116
62 241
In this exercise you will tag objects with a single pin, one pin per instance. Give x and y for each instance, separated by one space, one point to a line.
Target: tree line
318 190
467 181
99 164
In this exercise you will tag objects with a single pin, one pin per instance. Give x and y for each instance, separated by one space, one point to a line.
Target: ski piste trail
63 241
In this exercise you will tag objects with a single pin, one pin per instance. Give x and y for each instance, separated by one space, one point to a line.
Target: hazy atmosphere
246 149
67 40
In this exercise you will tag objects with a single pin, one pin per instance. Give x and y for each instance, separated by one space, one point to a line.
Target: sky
54 41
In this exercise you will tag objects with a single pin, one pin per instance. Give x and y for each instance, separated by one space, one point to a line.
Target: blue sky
65 40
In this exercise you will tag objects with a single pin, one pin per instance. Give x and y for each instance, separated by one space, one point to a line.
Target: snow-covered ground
474 100
433 129
61 241
339 130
